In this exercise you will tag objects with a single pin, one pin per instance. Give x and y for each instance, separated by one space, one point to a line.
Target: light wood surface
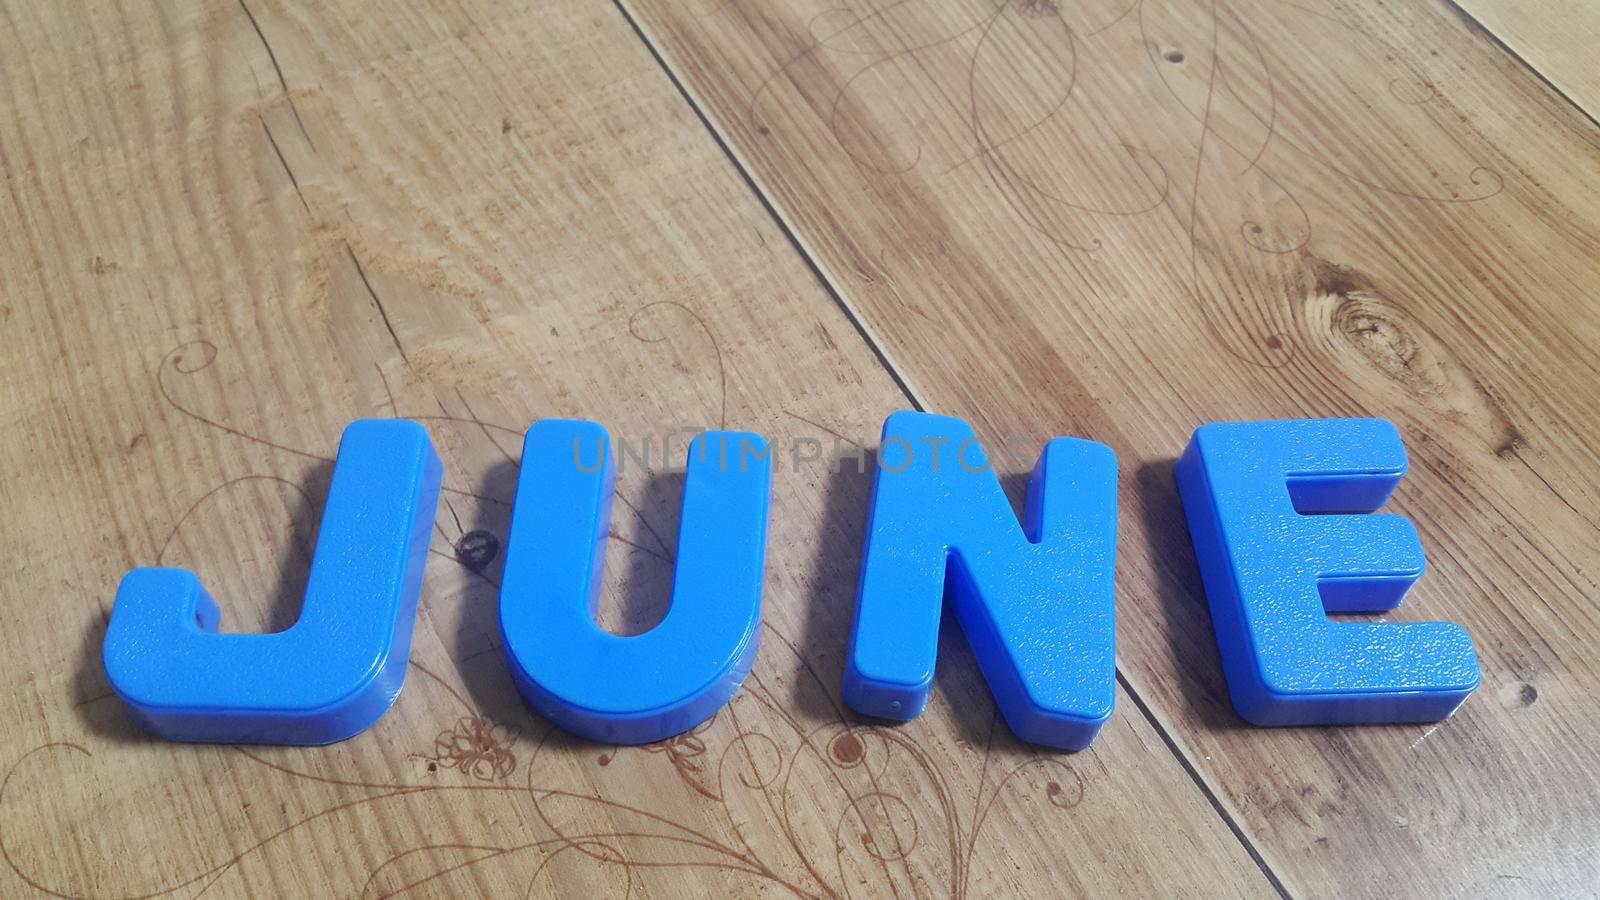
1556 38
230 229
1122 220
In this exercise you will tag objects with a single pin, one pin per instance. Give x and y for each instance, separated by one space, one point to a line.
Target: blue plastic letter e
1272 572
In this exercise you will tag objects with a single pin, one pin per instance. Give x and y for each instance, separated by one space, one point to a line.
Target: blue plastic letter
632 690
1035 601
1272 573
335 671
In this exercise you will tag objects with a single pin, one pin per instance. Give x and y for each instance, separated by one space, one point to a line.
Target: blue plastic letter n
335 671
1273 571
643 688
1035 599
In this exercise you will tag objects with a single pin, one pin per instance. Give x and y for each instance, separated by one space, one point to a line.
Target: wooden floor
230 229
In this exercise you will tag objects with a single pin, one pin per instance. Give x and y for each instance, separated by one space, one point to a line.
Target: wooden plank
1124 219
1555 37
227 231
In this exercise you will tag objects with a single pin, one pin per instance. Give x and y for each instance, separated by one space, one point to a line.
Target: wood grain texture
1123 219
1555 37
229 230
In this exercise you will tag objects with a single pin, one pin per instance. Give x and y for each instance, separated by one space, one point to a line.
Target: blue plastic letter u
335 671
1035 600
1273 572
647 687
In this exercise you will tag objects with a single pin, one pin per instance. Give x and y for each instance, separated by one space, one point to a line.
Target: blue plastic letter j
335 671
1035 599
1273 571
647 687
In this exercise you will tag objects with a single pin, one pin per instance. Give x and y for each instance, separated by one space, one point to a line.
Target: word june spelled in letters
1279 512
